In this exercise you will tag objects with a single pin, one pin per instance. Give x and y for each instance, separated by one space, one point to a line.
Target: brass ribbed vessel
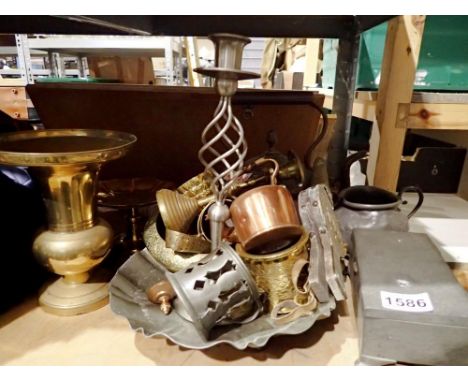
273 272
178 211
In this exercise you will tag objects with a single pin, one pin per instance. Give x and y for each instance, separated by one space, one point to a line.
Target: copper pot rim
246 194
302 241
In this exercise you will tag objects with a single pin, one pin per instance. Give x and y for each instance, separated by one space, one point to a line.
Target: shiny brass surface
265 218
63 147
177 210
161 293
273 272
198 187
293 169
66 164
63 298
68 193
72 254
154 235
185 243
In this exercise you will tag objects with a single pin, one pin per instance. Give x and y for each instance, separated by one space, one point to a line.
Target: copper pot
265 218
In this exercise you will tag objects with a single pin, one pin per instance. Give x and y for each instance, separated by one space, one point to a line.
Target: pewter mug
373 208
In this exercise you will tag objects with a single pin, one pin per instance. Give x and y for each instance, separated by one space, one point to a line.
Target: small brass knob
161 293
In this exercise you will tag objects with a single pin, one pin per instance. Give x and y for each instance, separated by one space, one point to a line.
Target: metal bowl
128 299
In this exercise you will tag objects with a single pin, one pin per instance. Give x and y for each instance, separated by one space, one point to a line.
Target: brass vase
66 165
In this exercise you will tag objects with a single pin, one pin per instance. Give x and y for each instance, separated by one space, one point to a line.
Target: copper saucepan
265 218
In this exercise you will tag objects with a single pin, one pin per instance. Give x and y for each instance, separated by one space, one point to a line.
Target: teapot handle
420 197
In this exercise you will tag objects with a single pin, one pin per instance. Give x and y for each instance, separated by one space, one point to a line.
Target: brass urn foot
64 298
72 255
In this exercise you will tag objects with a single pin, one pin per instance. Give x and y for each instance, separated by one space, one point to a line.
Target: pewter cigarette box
409 306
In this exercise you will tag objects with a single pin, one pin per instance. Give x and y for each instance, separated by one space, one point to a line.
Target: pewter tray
128 299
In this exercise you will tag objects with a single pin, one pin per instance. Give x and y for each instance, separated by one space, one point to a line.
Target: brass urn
66 164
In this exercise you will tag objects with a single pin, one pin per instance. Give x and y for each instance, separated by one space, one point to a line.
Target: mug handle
420 197
274 174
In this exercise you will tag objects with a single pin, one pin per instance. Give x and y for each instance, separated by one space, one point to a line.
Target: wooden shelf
29 336
436 111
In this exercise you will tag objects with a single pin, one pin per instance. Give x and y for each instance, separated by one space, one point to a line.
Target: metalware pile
236 243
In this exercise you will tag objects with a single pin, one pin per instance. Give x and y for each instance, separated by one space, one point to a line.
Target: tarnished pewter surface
316 210
128 298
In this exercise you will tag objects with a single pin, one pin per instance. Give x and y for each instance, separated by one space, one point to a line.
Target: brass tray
128 299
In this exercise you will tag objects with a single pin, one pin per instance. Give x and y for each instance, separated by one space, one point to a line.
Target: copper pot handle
274 174
200 221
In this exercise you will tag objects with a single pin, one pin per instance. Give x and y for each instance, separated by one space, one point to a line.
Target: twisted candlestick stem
222 153
224 166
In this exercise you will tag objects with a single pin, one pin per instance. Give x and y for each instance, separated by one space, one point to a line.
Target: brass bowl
273 272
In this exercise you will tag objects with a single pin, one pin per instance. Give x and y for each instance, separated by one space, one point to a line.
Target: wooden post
13 101
192 61
402 45
311 62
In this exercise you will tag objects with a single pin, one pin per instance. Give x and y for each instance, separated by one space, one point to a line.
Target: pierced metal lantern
217 290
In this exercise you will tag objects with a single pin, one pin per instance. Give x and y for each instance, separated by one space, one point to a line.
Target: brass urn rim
99 151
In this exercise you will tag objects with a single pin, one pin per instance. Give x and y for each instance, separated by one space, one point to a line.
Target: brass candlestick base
66 164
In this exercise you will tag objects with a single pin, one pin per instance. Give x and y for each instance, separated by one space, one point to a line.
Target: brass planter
66 165
273 272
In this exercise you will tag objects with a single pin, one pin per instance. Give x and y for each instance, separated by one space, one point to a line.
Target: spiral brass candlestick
223 143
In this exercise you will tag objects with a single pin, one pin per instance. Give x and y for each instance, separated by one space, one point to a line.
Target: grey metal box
407 263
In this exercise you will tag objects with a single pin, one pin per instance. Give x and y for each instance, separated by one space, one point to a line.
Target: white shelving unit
60 47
